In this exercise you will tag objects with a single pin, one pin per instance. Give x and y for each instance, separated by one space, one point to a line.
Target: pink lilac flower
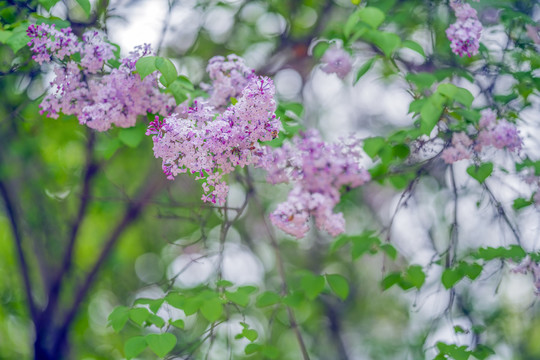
229 78
336 60
97 100
318 171
459 150
210 143
500 134
464 34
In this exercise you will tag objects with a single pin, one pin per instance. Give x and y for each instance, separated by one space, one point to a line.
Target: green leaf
338 243
161 344
176 300
430 114
241 295
270 351
85 5
480 173
295 299
414 46
153 304
139 315
521 203
364 69
338 284
389 250
312 285
156 320
132 137
373 145
459 330
415 275
390 280
472 271
185 82
4 35
58 22
145 66
18 38
364 243
134 346
212 309
267 298
47 4
422 80
177 323
250 334
118 318
167 69
224 283
371 16
450 277
178 90
388 42
455 93
252 348
482 352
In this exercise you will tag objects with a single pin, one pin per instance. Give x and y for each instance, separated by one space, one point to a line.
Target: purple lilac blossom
500 134
459 150
99 101
211 144
229 77
318 171
464 34
336 60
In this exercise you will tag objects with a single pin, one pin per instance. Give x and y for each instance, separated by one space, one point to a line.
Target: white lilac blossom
336 60
81 89
209 143
492 132
464 34
318 171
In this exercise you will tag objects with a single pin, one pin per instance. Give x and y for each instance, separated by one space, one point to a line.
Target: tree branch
15 228
131 214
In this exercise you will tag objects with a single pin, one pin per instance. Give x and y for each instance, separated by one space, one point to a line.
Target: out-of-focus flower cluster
492 132
464 34
318 171
526 266
336 60
97 100
211 143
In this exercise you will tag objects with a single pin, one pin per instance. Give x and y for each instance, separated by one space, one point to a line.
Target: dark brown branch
54 292
131 214
15 228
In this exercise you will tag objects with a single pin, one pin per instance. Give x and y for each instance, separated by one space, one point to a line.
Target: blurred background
140 236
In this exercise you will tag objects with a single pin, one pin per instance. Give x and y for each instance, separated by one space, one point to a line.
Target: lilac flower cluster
210 143
318 171
464 34
99 101
499 134
229 78
336 60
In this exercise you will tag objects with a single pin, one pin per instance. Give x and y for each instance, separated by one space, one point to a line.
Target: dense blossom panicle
46 41
464 34
318 170
459 150
97 100
492 132
229 77
210 143
336 60
500 134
